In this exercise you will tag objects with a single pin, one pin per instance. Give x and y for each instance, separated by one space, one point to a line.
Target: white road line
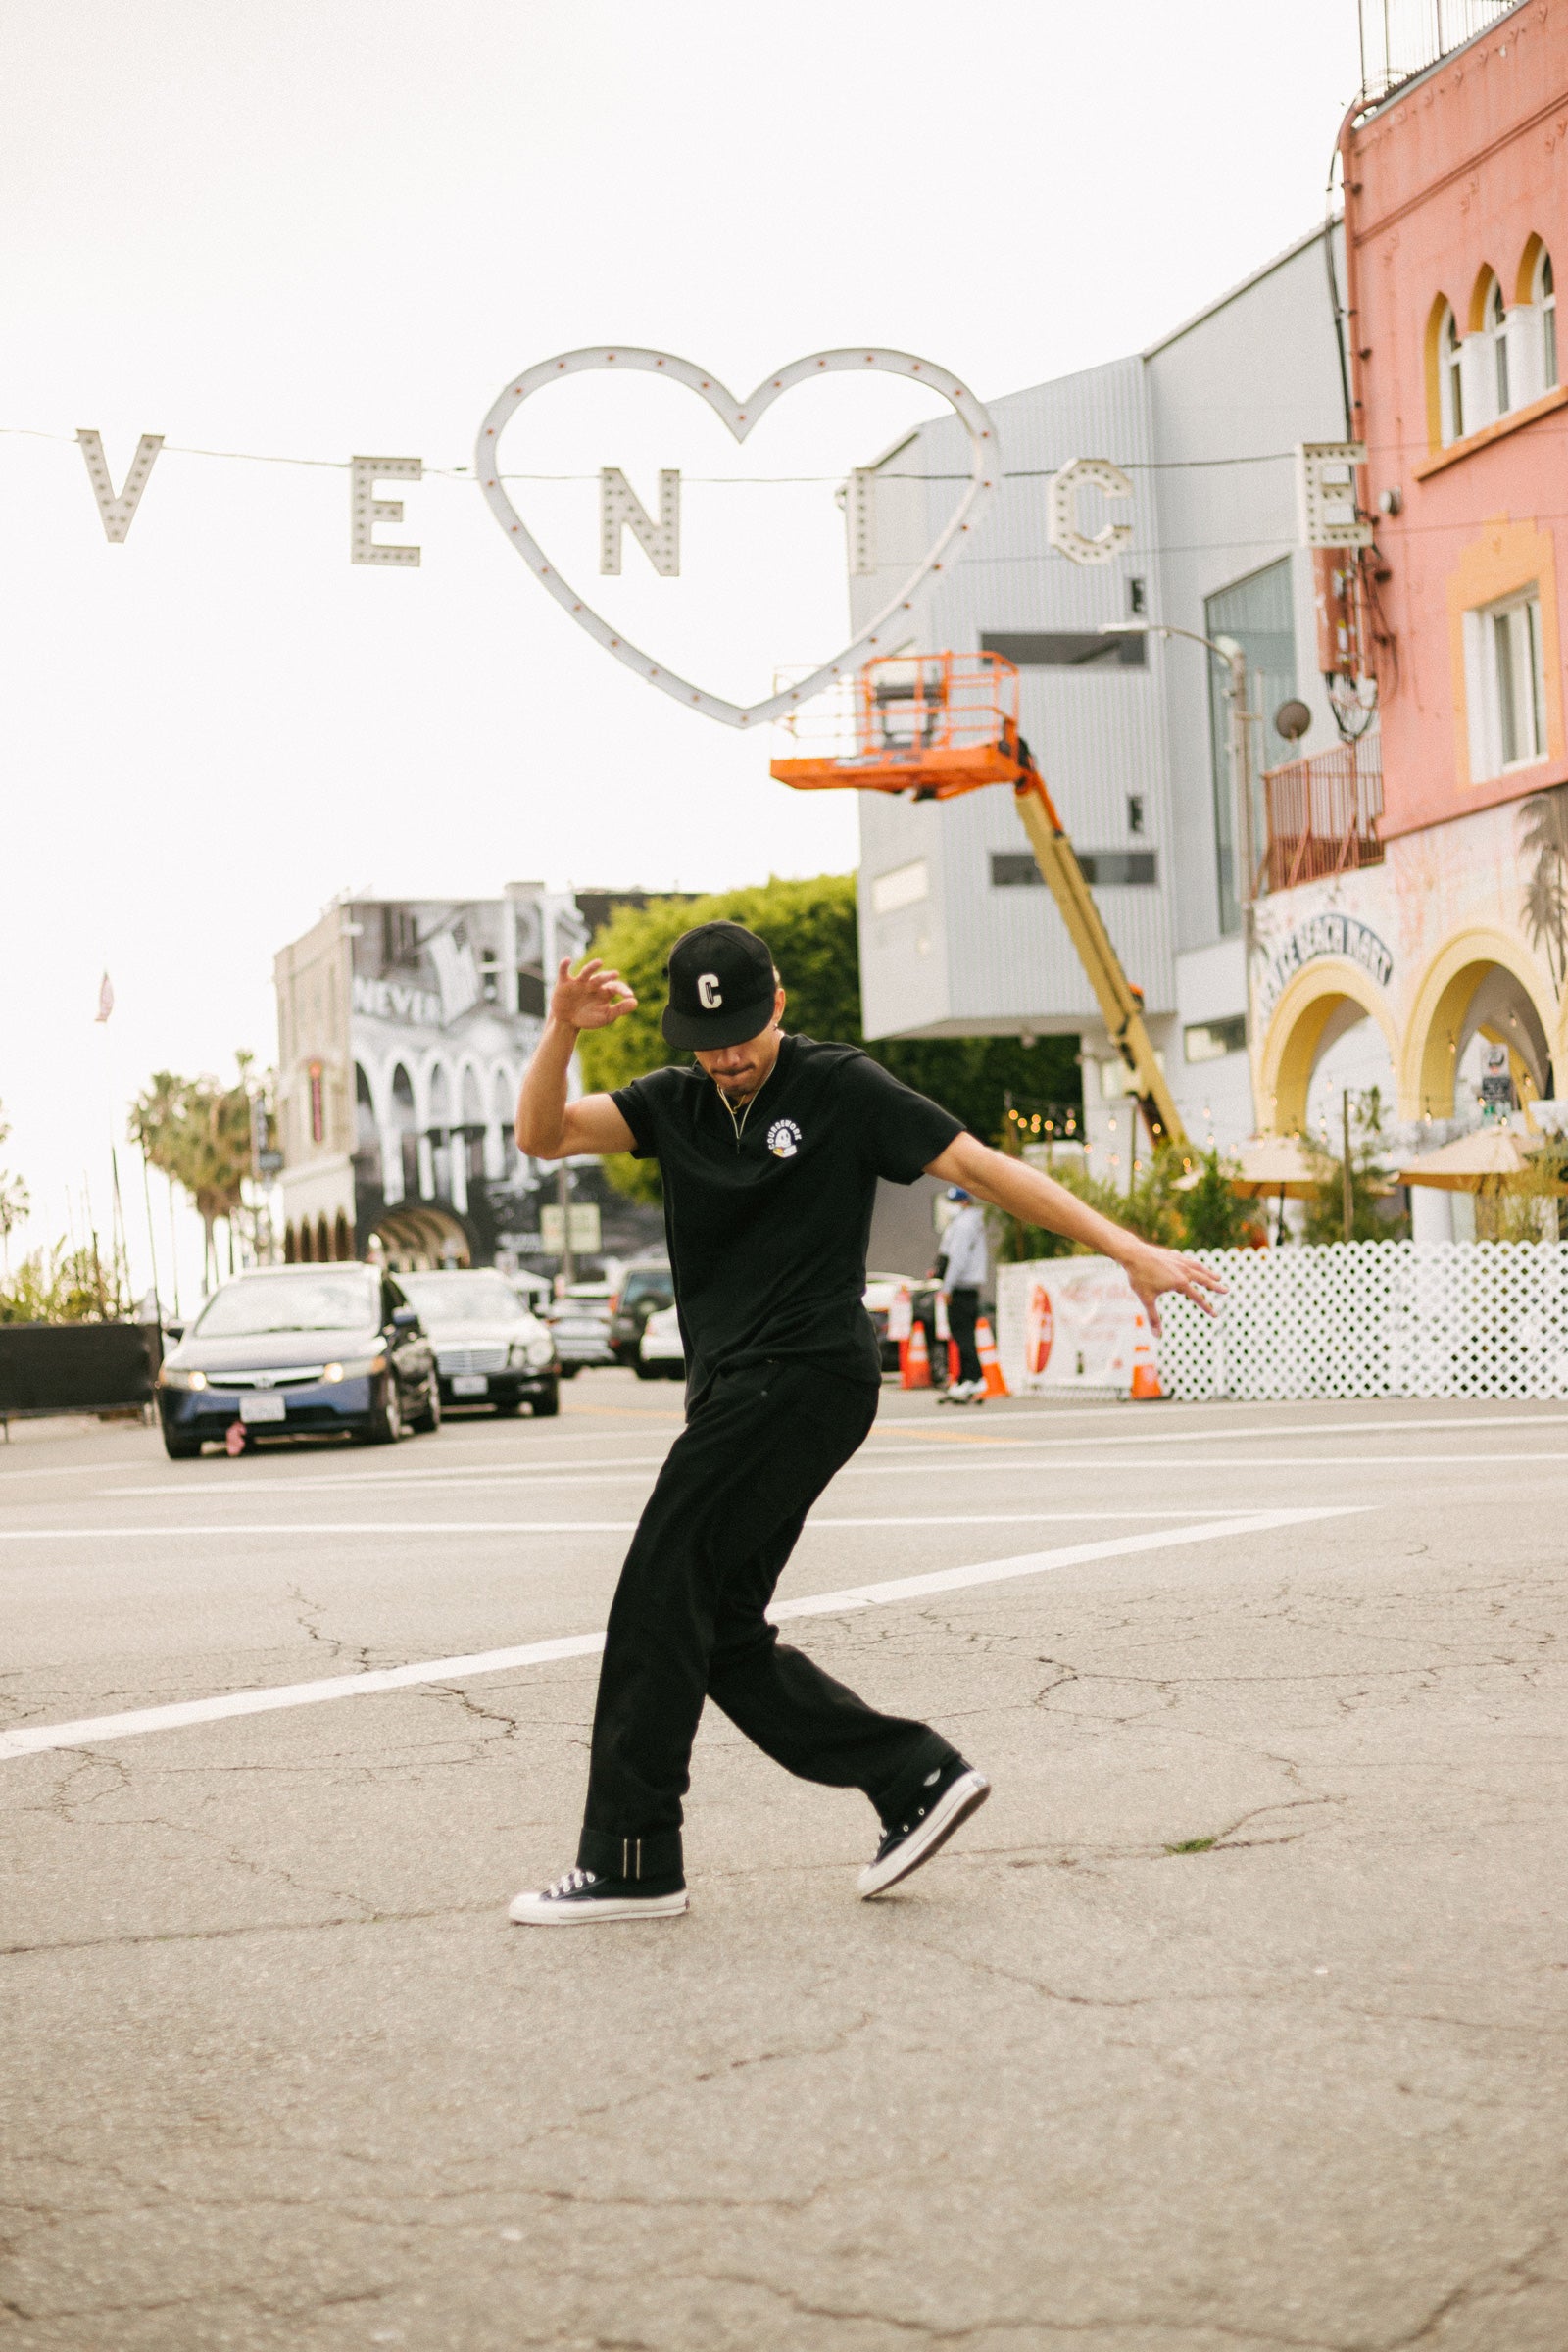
1286 1430
623 1467
953 1465
31 1739
563 1527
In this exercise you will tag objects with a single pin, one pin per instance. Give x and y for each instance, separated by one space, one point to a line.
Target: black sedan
490 1349
299 1350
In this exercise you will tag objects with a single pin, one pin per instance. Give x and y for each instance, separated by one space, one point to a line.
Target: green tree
811 927
1371 1217
61 1284
1152 1208
1213 1217
198 1131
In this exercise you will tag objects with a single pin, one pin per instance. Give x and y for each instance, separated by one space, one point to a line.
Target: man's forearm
542 1103
1024 1193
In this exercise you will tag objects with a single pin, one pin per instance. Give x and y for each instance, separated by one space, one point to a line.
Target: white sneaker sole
531 1910
966 1796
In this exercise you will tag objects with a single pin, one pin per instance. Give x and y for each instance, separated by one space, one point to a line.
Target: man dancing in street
770 1150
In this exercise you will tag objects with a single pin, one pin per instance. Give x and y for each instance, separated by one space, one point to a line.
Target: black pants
963 1313
687 1622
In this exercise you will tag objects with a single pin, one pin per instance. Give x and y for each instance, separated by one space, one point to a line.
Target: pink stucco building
1455 214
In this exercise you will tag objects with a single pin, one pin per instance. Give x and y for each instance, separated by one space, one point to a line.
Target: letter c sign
708 991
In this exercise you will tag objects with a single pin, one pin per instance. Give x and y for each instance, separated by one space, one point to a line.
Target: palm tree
198 1131
1544 837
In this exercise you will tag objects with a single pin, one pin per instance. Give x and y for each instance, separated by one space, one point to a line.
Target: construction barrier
1067 1325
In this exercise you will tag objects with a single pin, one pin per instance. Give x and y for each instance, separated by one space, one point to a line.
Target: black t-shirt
768 1229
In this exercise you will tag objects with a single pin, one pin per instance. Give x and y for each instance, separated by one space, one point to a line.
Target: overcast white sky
312 227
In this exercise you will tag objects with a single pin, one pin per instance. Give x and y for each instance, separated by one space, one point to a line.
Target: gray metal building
958 937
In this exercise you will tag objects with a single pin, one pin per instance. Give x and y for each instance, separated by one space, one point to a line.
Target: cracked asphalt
1237 2020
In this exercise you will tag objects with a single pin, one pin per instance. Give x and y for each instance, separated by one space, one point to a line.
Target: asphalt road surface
1235 2022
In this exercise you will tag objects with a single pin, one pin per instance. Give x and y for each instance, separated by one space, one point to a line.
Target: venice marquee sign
1327 934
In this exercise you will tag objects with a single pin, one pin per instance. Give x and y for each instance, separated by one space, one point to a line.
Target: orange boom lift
934 725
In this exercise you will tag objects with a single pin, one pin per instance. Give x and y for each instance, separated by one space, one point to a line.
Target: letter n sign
621 509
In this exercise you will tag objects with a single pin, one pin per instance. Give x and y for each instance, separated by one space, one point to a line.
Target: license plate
263 1409
470 1383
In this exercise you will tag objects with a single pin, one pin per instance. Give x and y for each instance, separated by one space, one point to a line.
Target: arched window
506 1105
367 1135
342 1247
324 1240
403 1119
1545 300
1451 386
1498 338
438 1127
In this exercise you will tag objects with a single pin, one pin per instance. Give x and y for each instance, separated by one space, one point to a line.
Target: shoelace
572 1882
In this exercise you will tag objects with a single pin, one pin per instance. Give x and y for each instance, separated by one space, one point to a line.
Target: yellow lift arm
1120 1003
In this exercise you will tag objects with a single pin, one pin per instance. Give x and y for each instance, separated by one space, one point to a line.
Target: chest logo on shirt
783 1139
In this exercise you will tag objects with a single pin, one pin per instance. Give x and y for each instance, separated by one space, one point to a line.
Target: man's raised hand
1150 1269
590 998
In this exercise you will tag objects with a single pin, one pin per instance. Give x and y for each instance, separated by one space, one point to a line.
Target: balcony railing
1323 814
1402 37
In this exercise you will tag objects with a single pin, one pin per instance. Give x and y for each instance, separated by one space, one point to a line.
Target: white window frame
1497 700
1451 378
1500 373
1544 296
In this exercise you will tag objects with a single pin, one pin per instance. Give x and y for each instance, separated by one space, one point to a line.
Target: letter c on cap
708 991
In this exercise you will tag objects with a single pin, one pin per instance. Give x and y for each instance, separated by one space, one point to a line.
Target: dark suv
644 1290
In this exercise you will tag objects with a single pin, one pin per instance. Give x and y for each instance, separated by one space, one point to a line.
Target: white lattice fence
1358 1319
1376 1319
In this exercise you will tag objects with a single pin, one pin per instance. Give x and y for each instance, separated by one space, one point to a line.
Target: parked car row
347 1350
317 1350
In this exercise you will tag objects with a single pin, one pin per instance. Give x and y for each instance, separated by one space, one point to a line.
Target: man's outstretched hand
590 998
1150 1269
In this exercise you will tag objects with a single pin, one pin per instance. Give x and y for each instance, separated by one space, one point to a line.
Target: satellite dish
1292 720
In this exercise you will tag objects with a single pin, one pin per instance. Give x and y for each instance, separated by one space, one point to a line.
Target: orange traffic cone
917 1373
985 1348
1146 1367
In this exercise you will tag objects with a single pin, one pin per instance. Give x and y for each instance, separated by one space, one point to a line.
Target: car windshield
656 1284
343 1300
451 1300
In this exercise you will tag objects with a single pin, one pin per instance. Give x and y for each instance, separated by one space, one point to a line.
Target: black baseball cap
721 987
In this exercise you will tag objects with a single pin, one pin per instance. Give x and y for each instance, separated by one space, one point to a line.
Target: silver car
489 1348
579 1324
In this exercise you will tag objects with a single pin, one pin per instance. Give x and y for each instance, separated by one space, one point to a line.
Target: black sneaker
949 1797
582 1895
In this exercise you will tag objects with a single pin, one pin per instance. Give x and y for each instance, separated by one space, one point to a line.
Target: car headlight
539 1351
174 1376
354 1368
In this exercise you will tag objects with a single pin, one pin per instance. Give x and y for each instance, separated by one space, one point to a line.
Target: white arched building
404 1029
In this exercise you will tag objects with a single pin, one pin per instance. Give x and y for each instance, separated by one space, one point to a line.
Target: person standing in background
962 1275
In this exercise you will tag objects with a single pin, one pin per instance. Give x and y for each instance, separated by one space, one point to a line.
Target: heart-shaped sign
740 417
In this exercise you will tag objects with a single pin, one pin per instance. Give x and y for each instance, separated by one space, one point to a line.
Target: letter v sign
117 512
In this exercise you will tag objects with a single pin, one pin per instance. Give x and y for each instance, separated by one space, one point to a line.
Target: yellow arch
1524 284
1432 365
1296 1028
1427 1065
1479 295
